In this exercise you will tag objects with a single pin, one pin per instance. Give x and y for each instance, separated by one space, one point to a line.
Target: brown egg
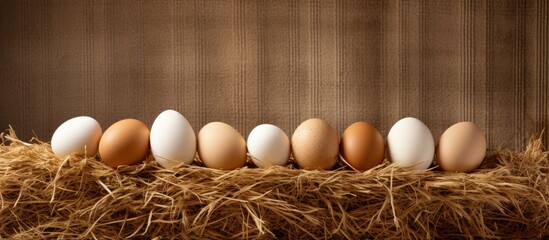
315 145
126 142
461 148
362 146
220 146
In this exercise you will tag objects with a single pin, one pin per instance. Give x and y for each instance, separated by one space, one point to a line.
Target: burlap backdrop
279 62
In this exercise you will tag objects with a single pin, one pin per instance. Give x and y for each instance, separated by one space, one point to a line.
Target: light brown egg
220 146
461 148
315 145
126 142
362 146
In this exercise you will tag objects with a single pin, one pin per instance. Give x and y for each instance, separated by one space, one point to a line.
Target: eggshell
362 146
220 146
461 148
411 144
315 145
79 135
172 139
126 142
268 145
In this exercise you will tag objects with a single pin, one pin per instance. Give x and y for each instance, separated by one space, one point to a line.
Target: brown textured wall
281 62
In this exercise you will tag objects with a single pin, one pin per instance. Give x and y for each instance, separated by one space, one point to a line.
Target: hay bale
45 197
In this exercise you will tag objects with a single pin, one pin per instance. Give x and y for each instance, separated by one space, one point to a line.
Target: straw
42 196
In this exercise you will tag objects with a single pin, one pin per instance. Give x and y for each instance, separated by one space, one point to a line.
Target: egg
315 145
268 145
79 135
126 142
220 146
362 147
411 144
172 140
461 148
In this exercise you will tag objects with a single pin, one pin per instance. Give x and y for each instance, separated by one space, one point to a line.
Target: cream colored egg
220 146
411 144
461 148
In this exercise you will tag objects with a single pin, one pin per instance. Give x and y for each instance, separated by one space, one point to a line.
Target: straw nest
45 197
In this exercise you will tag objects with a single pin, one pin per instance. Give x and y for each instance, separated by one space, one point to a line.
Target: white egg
172 140
79 135
268 145
411 144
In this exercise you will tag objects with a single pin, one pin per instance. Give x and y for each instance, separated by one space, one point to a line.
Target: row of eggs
314 144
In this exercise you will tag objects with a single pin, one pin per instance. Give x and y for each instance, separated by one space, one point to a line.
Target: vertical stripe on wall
89 80
315 57
239 26
519 76
141 56
23 56
199 59
294 67
402 58
383 68
467 63
261 60
44 64
378 80
542 68
488 93
177 41
109 62
340 62
423 76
